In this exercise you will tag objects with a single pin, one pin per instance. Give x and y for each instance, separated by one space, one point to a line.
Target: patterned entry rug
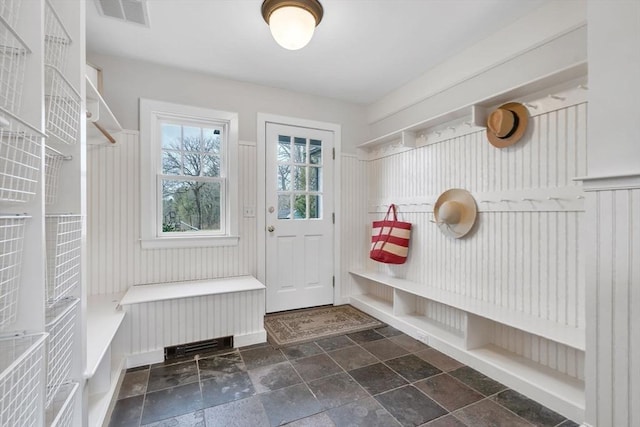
299 326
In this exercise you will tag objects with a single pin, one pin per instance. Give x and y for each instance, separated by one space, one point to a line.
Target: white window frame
152 113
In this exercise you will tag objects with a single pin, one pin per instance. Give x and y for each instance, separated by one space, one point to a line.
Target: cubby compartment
374 296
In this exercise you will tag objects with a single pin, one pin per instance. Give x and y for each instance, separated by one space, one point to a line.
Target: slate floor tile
365 336
409 343
240 413
337 390
134 383
384 349
477 381
439 360
171 402
226 388
410 406
528 409
193 419
262 356
334 343
172 375
274 377
353 357
311 368
219 365
301 350
127 412
377 378
448 392
412 368
388 331
446 421
289 404
318 420
363 413
487 413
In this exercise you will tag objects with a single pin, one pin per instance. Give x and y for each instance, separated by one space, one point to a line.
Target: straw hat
507 124
455 212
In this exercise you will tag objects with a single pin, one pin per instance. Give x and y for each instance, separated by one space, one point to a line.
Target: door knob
271 229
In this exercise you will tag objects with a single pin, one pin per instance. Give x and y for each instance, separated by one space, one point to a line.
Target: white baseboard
157 356
250 339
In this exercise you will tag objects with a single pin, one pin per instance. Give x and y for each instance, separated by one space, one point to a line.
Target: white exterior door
299 217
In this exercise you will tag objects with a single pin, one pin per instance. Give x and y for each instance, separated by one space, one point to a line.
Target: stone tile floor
373 378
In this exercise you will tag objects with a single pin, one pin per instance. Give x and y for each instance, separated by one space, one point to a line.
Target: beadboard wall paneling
155 325
115 258
529 259
614 297
353 234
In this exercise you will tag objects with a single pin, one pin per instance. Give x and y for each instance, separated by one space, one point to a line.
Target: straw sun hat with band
507 124
455 212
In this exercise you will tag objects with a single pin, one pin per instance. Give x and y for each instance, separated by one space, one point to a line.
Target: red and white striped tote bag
390 239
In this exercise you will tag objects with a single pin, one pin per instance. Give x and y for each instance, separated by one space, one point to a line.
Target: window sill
188 242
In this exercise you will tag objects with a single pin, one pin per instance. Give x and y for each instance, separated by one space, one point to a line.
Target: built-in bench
402 304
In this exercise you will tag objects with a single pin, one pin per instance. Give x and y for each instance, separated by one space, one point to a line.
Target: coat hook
580 197
452 128
528 199
505 200
438 133
468 124
583 87
530 105
559 98
552 198
487 201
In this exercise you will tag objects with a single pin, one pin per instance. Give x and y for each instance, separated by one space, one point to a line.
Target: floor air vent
193 348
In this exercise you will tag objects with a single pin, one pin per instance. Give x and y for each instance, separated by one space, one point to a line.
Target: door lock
271 229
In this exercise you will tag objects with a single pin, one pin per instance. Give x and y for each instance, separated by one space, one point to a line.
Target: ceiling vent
126 10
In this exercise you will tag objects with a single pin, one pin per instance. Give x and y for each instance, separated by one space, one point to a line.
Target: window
189 169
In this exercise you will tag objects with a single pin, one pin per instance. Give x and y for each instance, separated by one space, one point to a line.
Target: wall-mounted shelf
473 117
102 125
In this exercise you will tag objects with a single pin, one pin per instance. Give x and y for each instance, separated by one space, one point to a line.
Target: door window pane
284 149
284 206
314 178
284 178
300 150
190 206
315 152
299 178
314 206
300 207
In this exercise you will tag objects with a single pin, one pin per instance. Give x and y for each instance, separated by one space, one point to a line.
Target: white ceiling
362 49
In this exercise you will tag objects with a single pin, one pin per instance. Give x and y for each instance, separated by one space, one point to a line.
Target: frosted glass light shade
292 27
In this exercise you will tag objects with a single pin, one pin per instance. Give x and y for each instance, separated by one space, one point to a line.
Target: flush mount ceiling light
292 22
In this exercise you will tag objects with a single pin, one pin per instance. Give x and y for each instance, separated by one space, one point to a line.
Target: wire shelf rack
21 365
53 161
64 234
60 413
20 162
13 59
10 11
61 327
56 39
62 105
11 240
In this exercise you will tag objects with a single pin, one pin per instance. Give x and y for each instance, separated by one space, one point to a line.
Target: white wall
127 80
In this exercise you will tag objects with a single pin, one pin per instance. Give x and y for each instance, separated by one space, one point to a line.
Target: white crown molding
620 181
